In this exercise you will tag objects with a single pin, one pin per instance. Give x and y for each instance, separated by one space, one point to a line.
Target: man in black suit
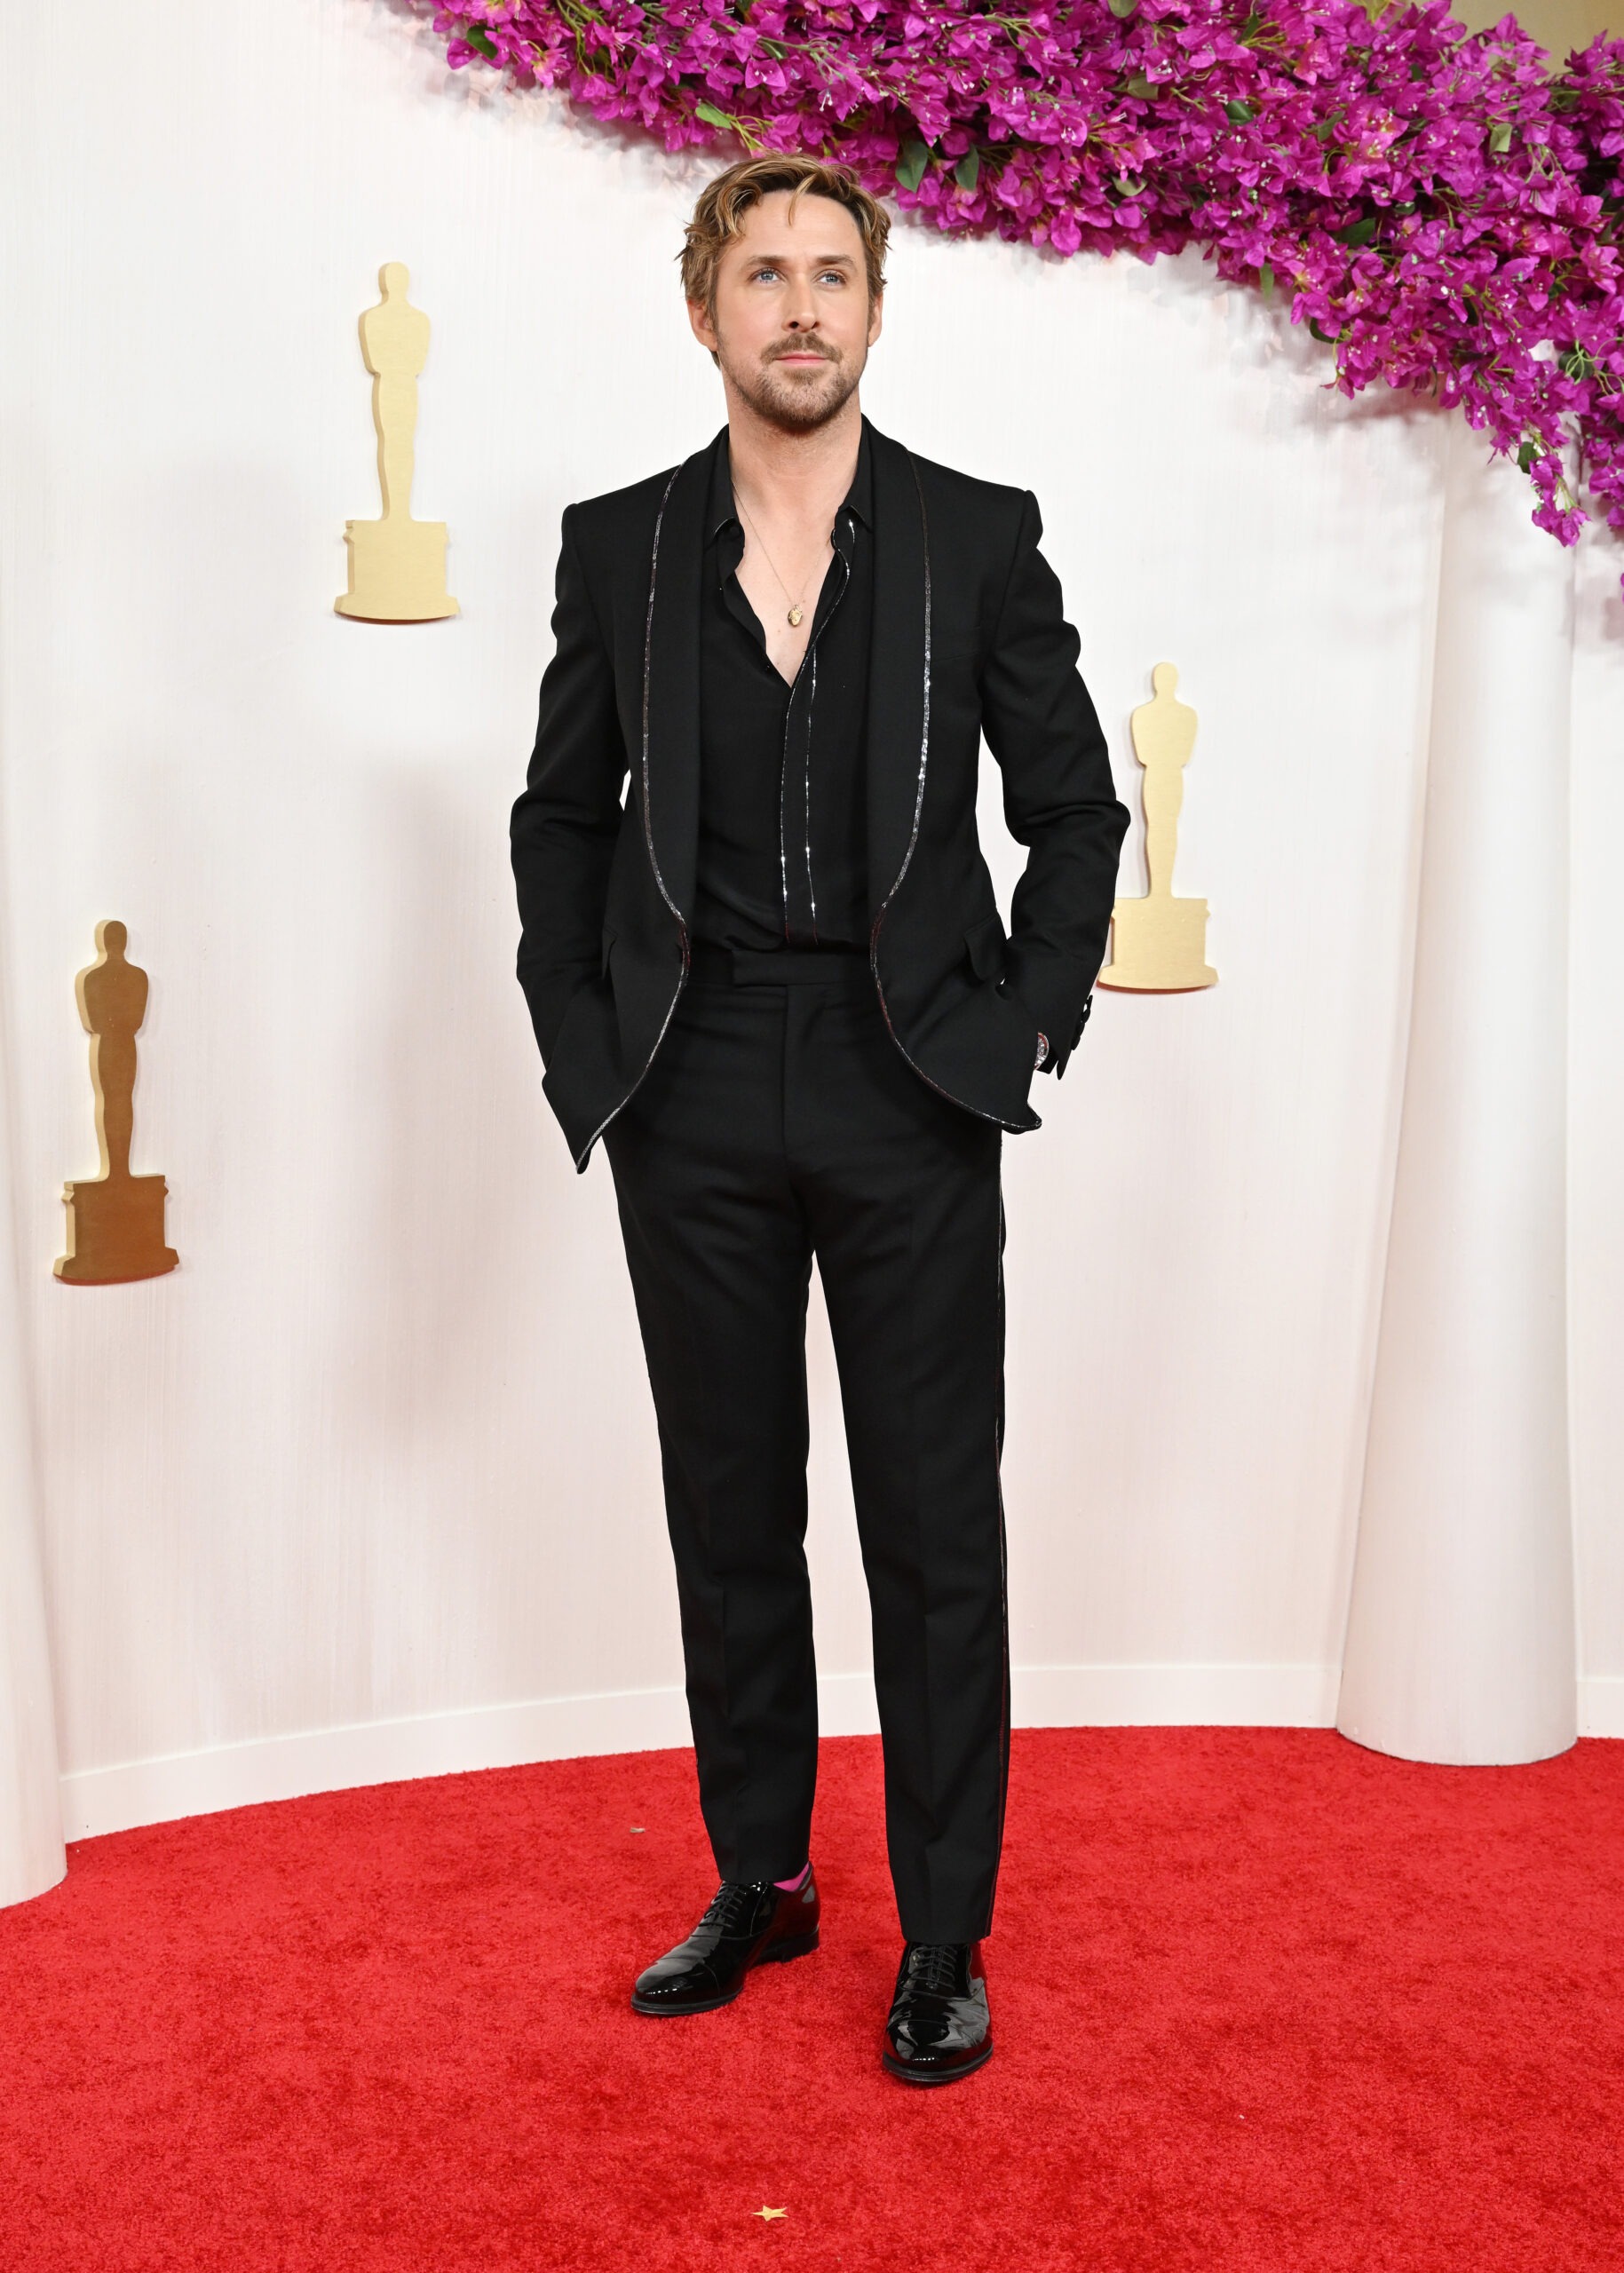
765 963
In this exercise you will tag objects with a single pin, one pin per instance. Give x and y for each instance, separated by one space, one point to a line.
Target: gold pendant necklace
797 610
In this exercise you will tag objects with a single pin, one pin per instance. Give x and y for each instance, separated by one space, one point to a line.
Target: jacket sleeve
1058 797
566 822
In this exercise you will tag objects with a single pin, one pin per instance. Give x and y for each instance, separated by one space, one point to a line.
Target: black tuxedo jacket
968 638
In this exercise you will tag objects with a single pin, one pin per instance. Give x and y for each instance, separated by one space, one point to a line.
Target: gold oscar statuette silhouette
1158 944
397 565
115 1220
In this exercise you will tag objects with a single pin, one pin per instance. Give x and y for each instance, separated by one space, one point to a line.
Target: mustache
802 347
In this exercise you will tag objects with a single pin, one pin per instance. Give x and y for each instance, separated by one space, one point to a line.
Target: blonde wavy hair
723 203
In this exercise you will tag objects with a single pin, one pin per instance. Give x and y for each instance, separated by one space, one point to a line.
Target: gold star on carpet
764 2212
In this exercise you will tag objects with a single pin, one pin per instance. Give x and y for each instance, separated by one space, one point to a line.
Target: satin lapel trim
898 670
672 686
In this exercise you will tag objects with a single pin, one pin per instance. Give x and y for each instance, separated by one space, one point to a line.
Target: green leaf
712 117
1137 85
481 41
1328 338
1500 135
967 173
1324 130
1358 233
1265 279
1124 7
911 165
1526 455
1238 114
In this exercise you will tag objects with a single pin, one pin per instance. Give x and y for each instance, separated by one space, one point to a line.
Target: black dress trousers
780 1121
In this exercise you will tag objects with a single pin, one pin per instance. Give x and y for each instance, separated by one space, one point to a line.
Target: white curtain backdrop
31 1857
1461 1641
368 1486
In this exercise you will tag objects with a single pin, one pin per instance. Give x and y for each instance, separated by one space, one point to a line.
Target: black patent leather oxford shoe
940 2027
748 1923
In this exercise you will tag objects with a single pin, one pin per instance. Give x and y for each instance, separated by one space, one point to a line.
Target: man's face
793 322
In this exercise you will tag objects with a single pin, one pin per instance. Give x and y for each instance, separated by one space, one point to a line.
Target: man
775 981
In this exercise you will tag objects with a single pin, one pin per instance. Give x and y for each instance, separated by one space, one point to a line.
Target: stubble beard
801 400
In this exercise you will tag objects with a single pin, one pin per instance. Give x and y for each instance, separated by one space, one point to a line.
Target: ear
876 317
702 324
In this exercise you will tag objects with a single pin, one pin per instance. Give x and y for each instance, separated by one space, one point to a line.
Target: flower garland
1441 213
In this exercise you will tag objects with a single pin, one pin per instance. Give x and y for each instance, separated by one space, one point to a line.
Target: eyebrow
823 260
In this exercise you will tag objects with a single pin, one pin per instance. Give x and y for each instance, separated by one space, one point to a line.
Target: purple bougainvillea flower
1446 216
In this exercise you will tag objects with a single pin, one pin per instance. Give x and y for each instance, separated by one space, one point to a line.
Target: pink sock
791 1886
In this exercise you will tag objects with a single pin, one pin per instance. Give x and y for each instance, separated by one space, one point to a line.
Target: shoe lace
733 1905
934 1967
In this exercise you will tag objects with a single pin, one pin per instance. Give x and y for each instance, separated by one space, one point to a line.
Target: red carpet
1266 2004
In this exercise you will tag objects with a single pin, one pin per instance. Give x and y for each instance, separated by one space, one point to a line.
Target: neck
788 472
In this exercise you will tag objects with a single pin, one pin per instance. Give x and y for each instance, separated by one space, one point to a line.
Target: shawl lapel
899 670
671 711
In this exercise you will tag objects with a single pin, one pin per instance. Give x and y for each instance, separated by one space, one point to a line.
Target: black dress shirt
782 856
